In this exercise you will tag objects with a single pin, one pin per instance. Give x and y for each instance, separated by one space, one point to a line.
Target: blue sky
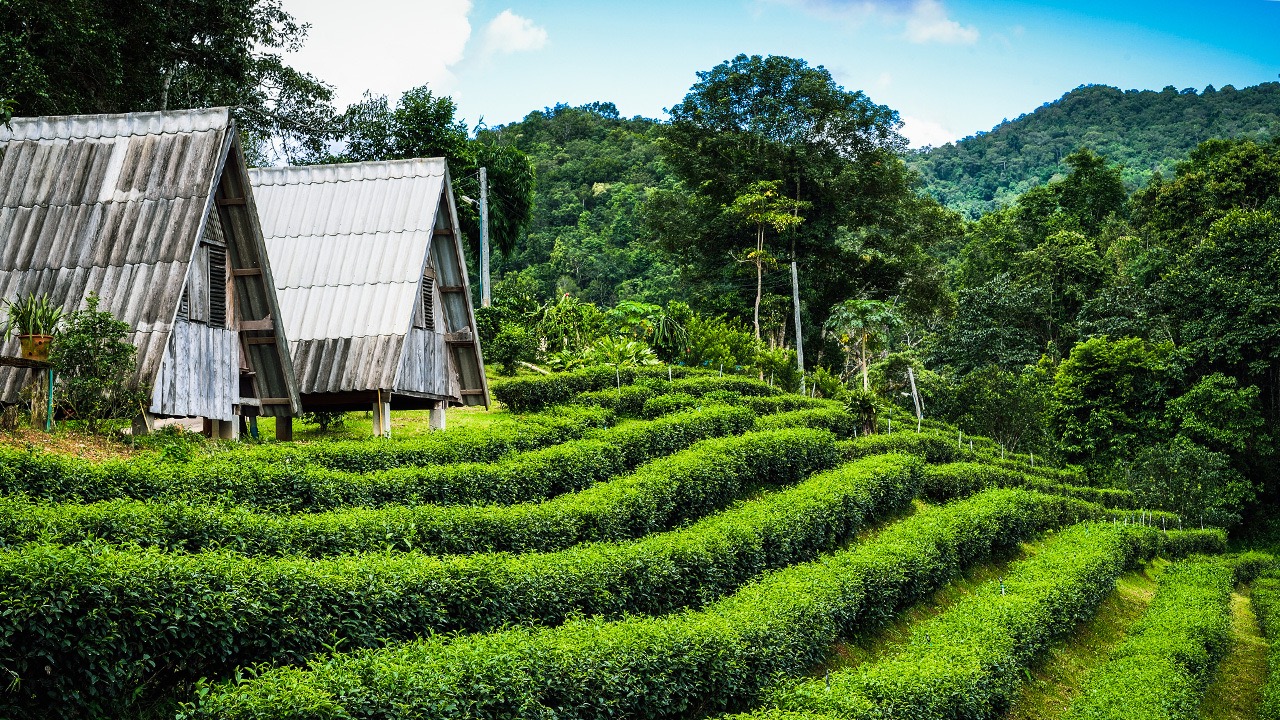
951 68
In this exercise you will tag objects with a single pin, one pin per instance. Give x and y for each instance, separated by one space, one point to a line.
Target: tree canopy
111 56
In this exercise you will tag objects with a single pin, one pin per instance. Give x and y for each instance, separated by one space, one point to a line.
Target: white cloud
921 132
384 46
509 33
928 22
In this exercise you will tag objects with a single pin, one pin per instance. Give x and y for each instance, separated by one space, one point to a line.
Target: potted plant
33 320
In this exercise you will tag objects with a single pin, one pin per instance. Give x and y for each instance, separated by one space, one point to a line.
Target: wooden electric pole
795 298
484 237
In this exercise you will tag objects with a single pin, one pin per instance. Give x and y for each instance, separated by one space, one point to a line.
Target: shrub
533 393
834 419
270 470
966 662
122 612
94 363
965 478
668 403
1163 666
1266 603
699 663
666 492
628 400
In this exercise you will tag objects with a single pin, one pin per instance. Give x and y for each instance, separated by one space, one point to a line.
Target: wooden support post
382 416
227 429
284 429
438 415
143 423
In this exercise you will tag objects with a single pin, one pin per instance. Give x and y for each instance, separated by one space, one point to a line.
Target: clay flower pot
35 347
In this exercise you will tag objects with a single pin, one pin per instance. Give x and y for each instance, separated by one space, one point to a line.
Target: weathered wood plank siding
200 373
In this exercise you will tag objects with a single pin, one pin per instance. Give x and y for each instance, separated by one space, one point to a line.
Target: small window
427 308
217 286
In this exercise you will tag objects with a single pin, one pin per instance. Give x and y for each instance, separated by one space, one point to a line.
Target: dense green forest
1142 130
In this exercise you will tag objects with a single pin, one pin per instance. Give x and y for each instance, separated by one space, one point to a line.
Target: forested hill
1142 130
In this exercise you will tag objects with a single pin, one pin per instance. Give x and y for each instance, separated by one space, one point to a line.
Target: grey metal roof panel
110 204
332 260
348 244
346 364
341 311
351 199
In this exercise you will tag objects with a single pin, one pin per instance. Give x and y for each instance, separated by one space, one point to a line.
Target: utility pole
484 237
915 395
795 298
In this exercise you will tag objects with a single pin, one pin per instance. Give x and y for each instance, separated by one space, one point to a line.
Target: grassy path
885 640
1055 680
1236 689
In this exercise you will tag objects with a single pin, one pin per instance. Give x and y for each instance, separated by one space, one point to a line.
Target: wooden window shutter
428 300
217 286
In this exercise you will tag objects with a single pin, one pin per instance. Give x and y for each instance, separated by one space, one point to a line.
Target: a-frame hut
154 213
373 286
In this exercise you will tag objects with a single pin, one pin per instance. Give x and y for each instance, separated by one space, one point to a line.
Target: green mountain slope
1145 131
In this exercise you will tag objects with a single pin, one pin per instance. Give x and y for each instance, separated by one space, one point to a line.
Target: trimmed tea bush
57 477
122 614
666 492
533 393
967 662
1266 603
1162 668
964 478
689 663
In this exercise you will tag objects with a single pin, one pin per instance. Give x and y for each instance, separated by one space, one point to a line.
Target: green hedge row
660 398
628 400
968 662
1266 604
932 447
690 484
122 615
535 392
690 663
487 444
522 477
761 404
1162 667
965 478
837 420
54 476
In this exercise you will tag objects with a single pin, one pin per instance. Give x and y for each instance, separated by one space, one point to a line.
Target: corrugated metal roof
348 244
110 204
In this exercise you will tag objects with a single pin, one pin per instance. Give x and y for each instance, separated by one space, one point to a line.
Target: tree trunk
759 277
164 94
866 381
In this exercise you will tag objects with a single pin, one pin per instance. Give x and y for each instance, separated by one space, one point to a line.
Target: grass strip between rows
969 662
660 495
685 665
1265 596
1162 668
56 477
138 623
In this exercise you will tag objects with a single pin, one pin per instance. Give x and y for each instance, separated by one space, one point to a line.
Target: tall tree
108 56
776 117
763 206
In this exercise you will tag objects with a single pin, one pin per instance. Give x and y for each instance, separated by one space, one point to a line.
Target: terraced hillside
637 544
